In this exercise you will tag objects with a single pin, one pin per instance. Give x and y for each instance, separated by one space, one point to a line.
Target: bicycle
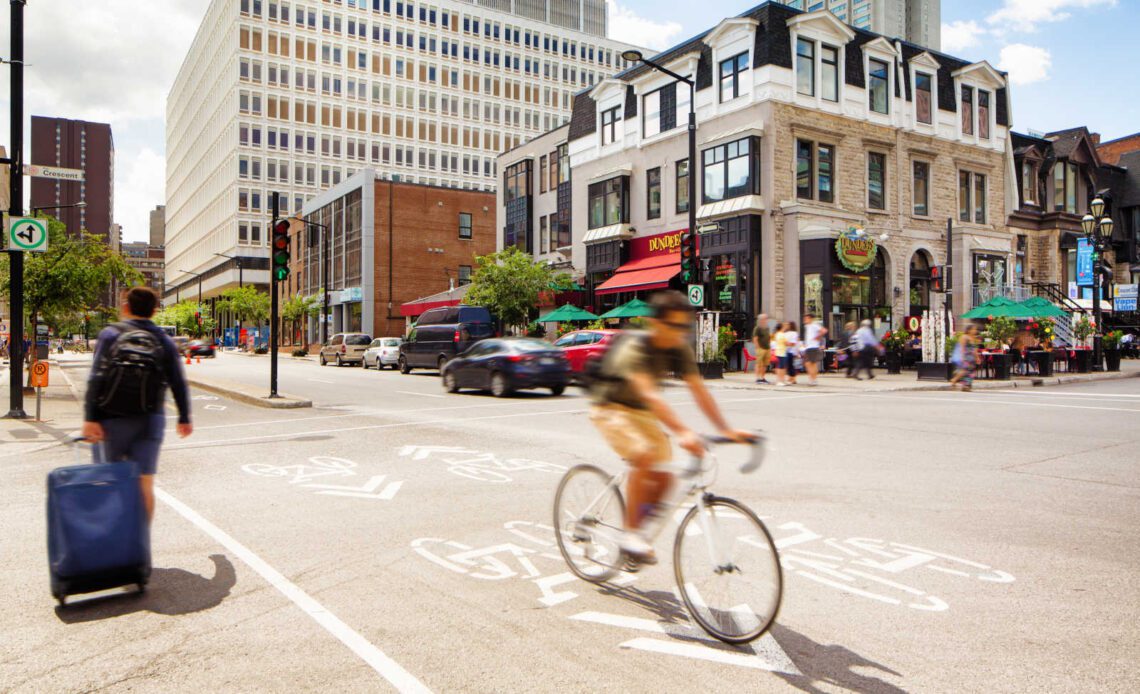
731 583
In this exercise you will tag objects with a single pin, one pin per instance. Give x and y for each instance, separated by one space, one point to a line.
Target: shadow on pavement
832 665
169 592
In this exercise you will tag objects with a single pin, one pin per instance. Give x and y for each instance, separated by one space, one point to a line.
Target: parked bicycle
724 559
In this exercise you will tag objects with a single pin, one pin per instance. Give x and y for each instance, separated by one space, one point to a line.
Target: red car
583 345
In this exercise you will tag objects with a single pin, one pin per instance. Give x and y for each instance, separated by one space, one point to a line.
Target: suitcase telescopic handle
98 451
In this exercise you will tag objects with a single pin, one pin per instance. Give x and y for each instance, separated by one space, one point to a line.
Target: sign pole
16 178
273 309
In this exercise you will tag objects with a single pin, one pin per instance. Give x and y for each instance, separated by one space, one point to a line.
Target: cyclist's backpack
133 378
598 372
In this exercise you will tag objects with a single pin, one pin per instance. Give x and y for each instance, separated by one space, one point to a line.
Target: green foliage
725 339
181 316
1112 338
508 284
1083 328
895 341
951 343
638 323
598 324
565 329
1043 330
536 329
1000 330
246 303
297 307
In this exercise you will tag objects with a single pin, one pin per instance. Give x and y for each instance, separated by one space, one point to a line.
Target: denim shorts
135 439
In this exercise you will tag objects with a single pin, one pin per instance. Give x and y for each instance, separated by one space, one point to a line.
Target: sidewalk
837 382
61 415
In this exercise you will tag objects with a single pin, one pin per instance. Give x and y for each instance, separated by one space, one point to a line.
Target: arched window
919 298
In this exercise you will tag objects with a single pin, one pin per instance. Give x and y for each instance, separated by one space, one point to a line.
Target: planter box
1083 360
1044 361
1001 366
1112 359
934 370
894 362
711 369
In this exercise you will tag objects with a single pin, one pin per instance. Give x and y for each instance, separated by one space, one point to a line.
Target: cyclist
629 410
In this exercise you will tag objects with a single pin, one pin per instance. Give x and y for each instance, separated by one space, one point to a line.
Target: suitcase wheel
62 599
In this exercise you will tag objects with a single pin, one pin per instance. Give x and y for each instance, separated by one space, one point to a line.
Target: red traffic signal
936 283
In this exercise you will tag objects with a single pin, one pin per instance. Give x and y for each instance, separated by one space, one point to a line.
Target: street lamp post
16 204
1098 231
324 274
637 57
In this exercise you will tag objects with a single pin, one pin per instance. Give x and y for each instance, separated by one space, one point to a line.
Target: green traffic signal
280 273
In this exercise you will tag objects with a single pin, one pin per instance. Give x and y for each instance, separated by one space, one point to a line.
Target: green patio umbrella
635 308
999 306
566 314
1038 307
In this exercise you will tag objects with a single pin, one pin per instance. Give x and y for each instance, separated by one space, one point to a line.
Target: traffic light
688 257
198 317
280 250
936 278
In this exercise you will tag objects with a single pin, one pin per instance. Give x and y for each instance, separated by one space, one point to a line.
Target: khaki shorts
763 356
633 434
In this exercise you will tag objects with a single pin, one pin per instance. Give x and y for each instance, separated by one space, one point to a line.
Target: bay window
731 170
609 202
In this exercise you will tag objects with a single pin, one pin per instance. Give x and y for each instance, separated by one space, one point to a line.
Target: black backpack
133 374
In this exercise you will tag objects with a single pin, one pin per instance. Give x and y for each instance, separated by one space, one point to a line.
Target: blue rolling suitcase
98 534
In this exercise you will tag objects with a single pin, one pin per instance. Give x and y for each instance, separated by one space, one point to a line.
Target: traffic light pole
273 330
16 183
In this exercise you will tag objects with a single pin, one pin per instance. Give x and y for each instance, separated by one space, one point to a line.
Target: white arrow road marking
204 397
364 492
217 408
424 452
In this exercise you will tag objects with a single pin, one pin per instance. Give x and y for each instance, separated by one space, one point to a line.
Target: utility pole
274 283
948 276
15 257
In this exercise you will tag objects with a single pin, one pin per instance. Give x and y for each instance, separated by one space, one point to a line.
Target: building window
876 180
731 170
921 188
805 67
653 193
609 202
971 197
924 104
1028 184
464 225
967 110
542 174
464 275
829 72
543 235
877 86
610 119
516 181
815 171
651 114
683 186
730 71
983 114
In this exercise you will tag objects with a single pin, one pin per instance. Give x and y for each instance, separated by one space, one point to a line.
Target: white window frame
926 64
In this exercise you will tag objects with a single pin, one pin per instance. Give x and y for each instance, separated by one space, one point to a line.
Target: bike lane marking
387 668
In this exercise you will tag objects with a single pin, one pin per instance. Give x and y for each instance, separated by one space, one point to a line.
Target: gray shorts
135 439
813 355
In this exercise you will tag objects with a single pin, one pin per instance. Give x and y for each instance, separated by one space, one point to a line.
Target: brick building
147 259
76 144
391 243
1110 152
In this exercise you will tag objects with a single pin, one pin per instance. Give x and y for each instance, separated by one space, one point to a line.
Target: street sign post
38 379
696 295
27 234
55 172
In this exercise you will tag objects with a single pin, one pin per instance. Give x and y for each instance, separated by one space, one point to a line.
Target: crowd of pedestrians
782 349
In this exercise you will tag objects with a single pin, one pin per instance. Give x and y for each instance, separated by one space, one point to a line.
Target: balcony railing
984 292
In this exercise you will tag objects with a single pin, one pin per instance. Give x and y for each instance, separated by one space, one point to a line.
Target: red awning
644 274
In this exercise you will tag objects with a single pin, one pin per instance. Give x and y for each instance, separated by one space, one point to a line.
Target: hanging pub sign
855 248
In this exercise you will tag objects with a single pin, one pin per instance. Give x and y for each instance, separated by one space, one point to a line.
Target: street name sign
58 173
696 295
27 234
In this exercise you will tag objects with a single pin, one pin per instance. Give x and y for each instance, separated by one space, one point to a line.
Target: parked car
583 345
506 365
345 348
384 351
442 333
181 342
200 348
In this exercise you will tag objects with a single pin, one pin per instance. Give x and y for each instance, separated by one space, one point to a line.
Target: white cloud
627 26
960 35
1025 64
1025 15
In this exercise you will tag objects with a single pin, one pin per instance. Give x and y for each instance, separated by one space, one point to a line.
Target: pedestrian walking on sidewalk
787 349
762 338
869 347
814 335
134 363
965 358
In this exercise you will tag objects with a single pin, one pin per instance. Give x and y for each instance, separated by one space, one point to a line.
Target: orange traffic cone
187 357
197 360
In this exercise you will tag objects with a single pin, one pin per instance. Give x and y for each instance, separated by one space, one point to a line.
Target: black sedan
506 365
200 348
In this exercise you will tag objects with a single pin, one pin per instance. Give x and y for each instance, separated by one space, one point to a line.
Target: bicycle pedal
631 566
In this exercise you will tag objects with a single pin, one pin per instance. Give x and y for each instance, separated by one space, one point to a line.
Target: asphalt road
930 541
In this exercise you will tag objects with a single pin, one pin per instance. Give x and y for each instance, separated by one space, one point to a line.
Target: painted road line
387 668
765 658
318 380
1066 394
989 401
426 395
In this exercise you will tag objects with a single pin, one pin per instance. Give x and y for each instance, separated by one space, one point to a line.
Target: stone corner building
830 162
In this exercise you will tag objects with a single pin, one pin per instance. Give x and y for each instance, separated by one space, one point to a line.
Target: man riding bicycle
629 410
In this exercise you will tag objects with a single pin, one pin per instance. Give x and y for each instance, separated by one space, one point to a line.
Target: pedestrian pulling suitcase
98 534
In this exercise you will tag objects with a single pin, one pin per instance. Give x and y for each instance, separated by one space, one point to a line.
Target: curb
978 385
282 402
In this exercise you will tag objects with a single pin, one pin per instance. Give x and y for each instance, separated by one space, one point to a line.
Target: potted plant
894 342
1043 330
1111 342
1082 329
998 333
939 370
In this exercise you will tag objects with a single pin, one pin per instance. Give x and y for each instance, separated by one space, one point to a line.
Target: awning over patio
644 274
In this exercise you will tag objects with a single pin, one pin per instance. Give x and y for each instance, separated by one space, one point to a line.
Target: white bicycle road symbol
477 465
318 467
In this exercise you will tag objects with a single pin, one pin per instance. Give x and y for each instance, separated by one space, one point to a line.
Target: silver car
384 351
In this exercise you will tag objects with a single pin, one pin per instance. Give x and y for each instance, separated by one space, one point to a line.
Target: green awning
570 286
1038 307
997 307
635 308
566 314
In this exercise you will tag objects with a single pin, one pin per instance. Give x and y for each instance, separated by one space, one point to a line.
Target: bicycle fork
718 554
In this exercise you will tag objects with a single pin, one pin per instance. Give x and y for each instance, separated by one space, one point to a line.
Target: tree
181 316
246 303
509 282
297 308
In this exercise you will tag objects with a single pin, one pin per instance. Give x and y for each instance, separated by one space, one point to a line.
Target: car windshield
530 345
392 342
357 340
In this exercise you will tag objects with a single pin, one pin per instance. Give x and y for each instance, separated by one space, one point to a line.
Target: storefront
731 258
652 263
845 279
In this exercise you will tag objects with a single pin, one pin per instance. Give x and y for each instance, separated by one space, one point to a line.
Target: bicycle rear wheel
728 571
588 517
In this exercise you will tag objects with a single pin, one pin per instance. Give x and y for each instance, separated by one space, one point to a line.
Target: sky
1071 62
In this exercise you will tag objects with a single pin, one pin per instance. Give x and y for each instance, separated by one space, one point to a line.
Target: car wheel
500 388
364 362
440 364
339 363
323 362
404 368
449 382
558 390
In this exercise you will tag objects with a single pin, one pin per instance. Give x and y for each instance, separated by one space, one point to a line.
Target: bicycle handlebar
758 449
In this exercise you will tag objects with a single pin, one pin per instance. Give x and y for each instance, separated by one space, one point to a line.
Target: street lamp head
1106 225
1097 206
1088 223
81 204
632 56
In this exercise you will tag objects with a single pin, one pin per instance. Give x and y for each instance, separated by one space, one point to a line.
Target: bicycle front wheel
727 569
588 519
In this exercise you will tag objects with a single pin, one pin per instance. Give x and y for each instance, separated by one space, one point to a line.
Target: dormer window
967 110
806 69
878 86
924 102
610 119
730 72
983 114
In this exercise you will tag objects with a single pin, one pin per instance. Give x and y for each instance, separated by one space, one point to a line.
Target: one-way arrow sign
365 492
